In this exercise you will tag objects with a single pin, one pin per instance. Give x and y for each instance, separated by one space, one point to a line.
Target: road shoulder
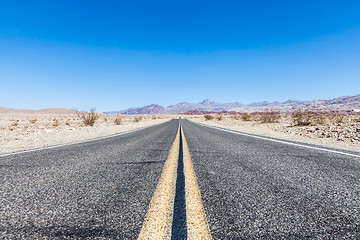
267 131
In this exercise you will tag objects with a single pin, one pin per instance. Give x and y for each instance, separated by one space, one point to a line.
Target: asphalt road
94 190
251 188
258 189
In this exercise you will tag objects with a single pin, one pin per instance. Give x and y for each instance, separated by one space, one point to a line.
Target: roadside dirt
26 131
345 134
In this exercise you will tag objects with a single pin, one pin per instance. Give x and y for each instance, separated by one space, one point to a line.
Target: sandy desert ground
344 134
27 130
21 130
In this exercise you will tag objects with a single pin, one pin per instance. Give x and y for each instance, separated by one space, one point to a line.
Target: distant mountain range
347 103
63 111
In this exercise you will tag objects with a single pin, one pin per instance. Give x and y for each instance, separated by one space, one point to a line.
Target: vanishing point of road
181 180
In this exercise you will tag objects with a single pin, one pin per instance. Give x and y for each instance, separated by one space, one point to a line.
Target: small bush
337 118
33 120
89 118
208 117
270 116
153 117
301 118
235 116
14 123
318 118
56 123
118 120
246 117
219 117
67 123
357 119
137 119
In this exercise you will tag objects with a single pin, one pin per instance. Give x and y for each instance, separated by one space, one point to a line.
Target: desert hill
347 103
54 111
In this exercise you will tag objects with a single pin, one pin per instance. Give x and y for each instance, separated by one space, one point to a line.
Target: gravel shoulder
23 132
343 136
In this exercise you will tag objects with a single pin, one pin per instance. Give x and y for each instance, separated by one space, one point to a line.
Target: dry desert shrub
68 123
33 121
219 117
208 117
137 119
117 120
356 118
89 118
307 117
56 123
14 123
235 116
270 116
318 118
153 117
301 117
246 117
337 118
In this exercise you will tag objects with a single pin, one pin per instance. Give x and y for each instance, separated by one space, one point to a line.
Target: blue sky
118 54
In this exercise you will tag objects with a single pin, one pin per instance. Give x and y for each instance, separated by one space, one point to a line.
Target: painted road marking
280 141
159 218
197 224
157 223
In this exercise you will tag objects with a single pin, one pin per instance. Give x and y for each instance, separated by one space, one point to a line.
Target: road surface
256 188
98 189
245 187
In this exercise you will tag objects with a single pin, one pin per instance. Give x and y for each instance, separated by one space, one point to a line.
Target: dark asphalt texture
257 189
94 190
251 188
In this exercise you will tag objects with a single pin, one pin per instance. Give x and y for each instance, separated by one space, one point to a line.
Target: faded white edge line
77 142
279 141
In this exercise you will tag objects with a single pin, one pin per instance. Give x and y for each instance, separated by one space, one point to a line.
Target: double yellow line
158 220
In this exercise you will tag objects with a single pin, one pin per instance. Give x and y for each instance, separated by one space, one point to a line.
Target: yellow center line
158 220
197 224
157 223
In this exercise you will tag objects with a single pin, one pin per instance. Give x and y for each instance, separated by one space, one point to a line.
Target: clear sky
118 54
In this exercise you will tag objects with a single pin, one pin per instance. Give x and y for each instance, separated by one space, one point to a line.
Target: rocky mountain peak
348 103
206 102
